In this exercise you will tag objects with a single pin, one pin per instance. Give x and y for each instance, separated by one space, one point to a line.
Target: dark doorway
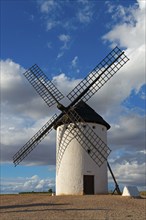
88 181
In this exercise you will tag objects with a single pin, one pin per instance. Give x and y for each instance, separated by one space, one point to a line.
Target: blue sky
67 39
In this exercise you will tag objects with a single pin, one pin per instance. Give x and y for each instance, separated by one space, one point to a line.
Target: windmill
73 128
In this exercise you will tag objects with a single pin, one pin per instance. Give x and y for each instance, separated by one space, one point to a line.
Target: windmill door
88 184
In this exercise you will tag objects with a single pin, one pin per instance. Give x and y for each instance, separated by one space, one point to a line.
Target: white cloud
85 12
130 174
10 76
60 54
65 38
142 4
27 184
24 114
47 6
121 14
84 16
128 133
50 24
13 83
130 32
23 129
74 62
64 83
48 9
116 90
132 75
52 13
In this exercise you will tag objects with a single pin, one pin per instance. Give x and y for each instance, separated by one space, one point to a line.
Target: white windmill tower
77 173
81 139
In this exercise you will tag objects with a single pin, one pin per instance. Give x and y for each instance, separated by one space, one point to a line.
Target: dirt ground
91 207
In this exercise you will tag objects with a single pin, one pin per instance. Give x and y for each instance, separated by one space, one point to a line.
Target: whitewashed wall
76 162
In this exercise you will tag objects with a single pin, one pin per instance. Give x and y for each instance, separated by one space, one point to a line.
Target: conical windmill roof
87 113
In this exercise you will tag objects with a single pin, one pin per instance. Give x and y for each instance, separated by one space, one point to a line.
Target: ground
91 207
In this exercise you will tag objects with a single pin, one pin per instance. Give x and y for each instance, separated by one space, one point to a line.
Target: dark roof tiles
88 114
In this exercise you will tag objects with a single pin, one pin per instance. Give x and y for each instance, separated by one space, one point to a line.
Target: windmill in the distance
82 152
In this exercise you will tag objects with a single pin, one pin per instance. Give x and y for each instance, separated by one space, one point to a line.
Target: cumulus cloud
27 184
130 173
132 24
16 131
129 133
24 113
13 83
18 112
64 83
132 75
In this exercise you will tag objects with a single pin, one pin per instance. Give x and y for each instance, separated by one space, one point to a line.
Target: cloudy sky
67 39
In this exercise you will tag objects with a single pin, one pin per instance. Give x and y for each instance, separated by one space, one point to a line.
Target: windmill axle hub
61 107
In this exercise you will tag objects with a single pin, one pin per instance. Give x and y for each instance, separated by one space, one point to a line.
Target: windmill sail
34 141
98 76
45 88
83 91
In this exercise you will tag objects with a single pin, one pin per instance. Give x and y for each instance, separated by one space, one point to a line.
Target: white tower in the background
77 173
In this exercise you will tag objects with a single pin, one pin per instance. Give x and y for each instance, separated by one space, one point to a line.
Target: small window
93 126
102 129
84 126
89 151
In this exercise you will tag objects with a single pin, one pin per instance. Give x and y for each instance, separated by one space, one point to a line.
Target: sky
67 39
